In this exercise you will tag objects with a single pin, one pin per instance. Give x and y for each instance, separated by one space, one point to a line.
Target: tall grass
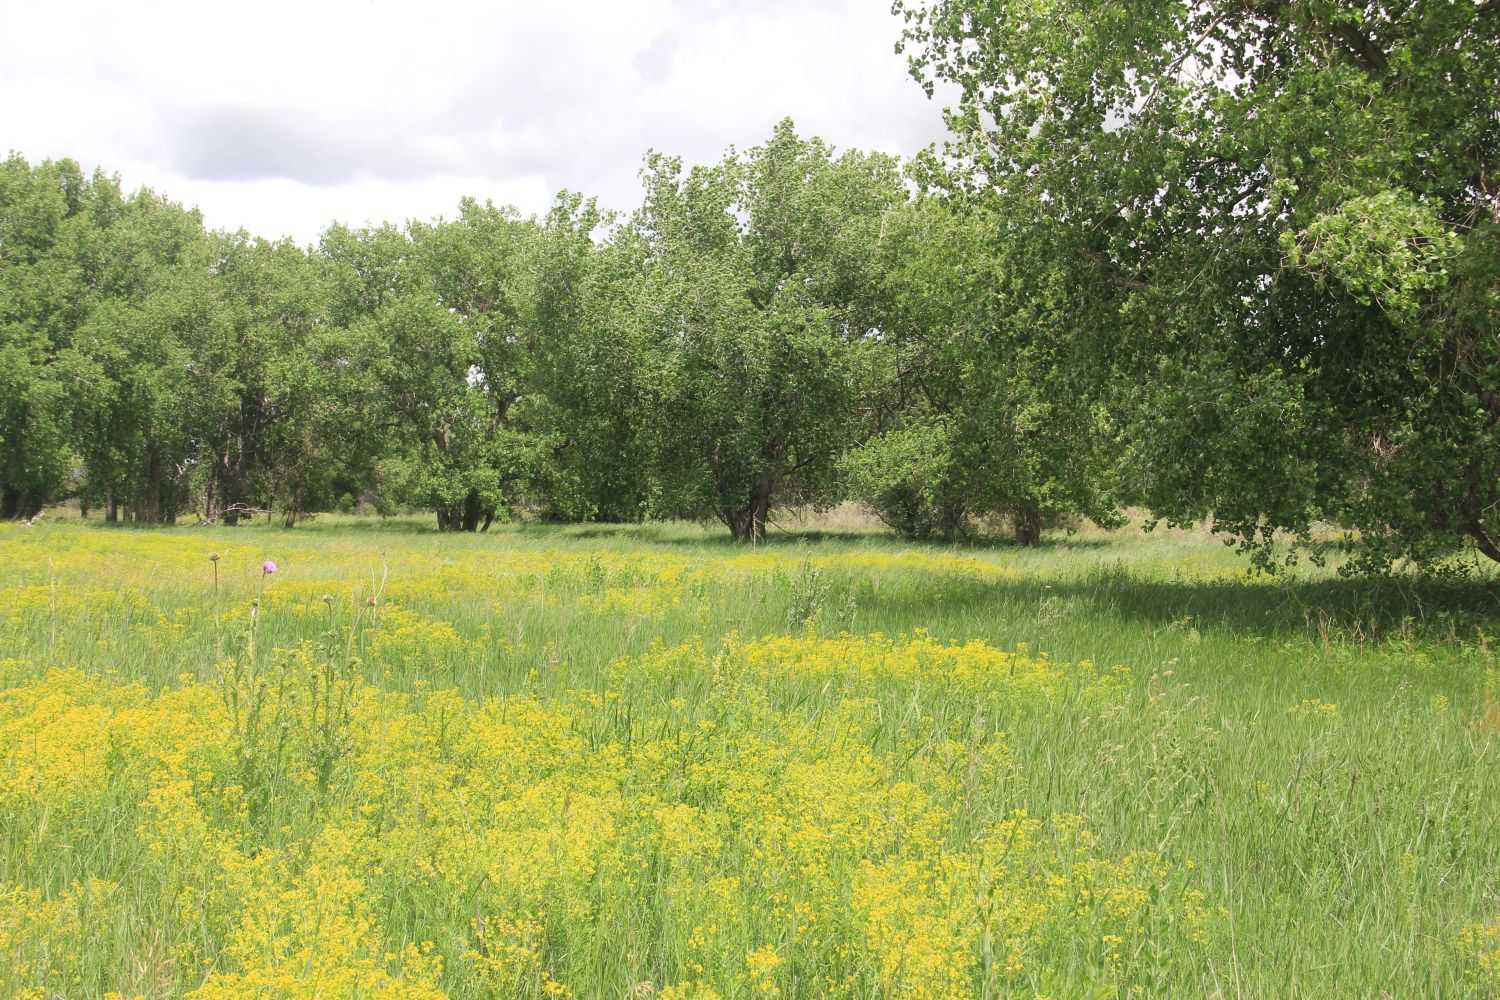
636 761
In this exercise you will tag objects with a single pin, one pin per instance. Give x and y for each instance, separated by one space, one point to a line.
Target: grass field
640 762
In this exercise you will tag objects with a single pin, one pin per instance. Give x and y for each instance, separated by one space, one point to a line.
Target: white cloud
280 117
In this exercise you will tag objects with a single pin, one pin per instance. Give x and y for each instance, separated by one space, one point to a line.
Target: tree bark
18 504
747 523
1484 543
950 519
227 486
149 509
465 516
1027 519
471 512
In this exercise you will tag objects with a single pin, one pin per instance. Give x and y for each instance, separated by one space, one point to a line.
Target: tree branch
1483 542
1363 48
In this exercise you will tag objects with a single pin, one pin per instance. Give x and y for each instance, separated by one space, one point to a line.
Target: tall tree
132 426
253 307
590 375
43 301
440 317
977 424
756 293
1281 221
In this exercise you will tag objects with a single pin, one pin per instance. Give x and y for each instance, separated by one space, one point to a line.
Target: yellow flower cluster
1314 708
1479 944
875 661
727 841
647 584
360 779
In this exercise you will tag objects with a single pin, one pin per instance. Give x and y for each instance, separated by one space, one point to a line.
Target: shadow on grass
710 536
707 534
1333 610
1328 609
324 524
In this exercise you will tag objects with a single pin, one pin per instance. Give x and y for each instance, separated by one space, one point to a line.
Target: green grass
1316 755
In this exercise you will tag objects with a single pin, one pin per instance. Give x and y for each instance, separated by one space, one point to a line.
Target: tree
755 295
131 424
978 422
43 300
438 320
249 309
321 445
590 400
1281 223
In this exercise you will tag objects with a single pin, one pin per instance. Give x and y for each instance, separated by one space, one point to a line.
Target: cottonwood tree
248 313
590 400
132 426
44 298
438 314
1281 222
755 295
990 412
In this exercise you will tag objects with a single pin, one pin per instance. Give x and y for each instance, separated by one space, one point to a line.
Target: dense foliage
762 331
1279 222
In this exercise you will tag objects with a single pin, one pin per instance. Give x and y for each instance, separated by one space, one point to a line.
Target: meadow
640 762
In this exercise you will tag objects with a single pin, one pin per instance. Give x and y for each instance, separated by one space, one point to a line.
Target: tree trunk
225 483
465 516
149 509
472 512
748 523
950 518
111 507
1027 519
16 504
1483 542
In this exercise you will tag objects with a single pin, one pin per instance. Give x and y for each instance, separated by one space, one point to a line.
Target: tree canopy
1278 223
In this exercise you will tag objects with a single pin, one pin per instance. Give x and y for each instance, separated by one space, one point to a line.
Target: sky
281 117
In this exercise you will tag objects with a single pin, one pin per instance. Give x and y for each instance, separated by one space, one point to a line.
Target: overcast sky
279 117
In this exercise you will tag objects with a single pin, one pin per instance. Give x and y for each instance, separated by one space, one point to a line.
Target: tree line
1220 260
785 326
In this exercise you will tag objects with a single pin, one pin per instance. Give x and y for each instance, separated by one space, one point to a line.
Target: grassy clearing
639 761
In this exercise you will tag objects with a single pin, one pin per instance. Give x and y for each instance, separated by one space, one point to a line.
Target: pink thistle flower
268 567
